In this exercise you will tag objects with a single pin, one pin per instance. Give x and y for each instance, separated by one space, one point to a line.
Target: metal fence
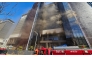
16 52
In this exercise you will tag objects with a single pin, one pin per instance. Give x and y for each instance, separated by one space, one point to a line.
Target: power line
10 10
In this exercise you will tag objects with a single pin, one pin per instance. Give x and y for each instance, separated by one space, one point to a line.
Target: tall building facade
55 25
14 37
21 33
83 12
5 30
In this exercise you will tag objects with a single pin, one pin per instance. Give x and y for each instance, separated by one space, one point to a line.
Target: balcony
52 41
52 31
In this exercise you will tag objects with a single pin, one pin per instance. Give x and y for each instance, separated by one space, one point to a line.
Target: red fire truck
3 51
70 50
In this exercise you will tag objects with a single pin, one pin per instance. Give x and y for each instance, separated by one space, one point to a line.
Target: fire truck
70 50
3 51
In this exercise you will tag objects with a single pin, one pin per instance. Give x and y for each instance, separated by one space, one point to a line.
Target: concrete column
46 45
42 39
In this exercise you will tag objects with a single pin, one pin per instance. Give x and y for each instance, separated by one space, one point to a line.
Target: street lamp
36 39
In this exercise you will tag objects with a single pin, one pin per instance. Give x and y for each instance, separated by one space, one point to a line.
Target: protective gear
41 52
36 51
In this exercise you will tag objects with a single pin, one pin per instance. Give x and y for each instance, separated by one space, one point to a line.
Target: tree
3 6
20 48
31 48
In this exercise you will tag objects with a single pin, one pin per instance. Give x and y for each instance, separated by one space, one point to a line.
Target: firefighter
36 51
41 52
49 50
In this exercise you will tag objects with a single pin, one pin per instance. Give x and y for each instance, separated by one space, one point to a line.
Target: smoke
70 13
27 26
48 18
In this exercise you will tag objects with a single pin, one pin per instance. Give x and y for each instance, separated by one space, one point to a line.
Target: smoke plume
48 17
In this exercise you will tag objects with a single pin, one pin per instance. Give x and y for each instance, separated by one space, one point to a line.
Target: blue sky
20 9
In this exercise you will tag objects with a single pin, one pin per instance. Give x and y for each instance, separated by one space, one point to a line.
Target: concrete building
55 24
14 37
5 30
17 31
21 33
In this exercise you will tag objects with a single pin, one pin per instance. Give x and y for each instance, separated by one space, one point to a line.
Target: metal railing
17 52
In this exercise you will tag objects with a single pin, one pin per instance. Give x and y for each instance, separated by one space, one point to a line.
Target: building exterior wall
6 26
14 37
83 13
73 32
47 19
1 25
63 8
21 33
69 24
17 30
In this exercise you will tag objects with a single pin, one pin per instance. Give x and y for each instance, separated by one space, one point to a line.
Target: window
55 38
90 3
